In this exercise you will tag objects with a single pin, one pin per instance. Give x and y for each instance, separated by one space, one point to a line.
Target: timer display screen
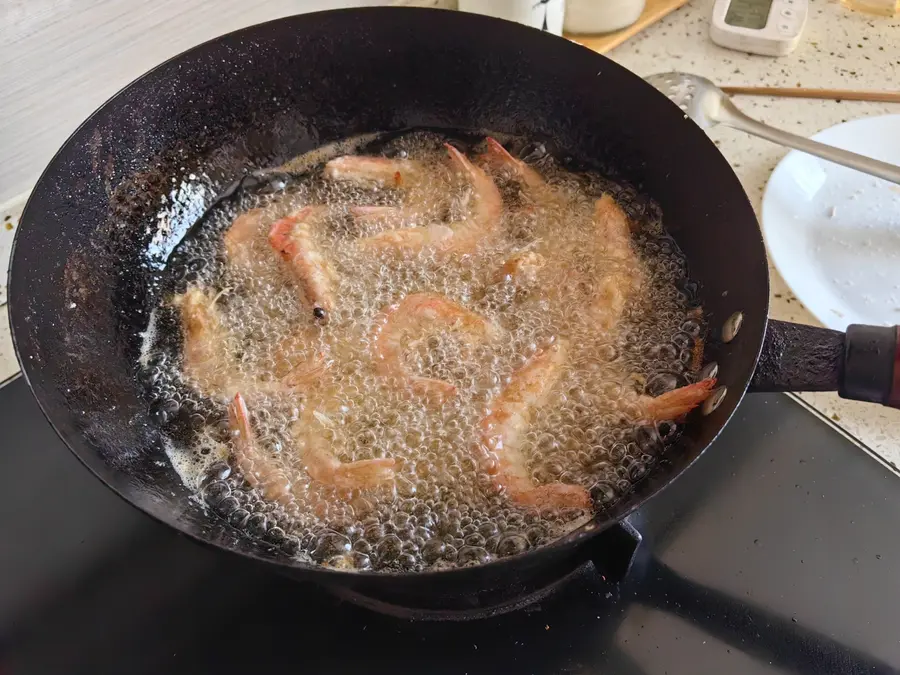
751 14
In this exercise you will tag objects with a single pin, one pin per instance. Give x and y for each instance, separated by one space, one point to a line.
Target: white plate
834 233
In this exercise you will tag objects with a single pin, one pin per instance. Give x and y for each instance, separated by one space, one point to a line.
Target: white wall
60 59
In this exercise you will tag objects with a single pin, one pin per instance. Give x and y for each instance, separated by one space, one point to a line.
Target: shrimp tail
239 420
462 163
678 402
498 157
496 150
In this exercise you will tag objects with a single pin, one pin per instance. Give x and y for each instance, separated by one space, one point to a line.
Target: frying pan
123 190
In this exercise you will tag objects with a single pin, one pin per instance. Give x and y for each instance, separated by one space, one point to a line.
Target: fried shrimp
238 238
675 404
209 362
486 206
262 472
502 430
621 275
316 452
415 317
380 171
259 470
459 237
205 341
426 360
294 239
536 189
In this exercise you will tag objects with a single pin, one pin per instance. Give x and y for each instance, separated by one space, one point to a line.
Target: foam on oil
442 510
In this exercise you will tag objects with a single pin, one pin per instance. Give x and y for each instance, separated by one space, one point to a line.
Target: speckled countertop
840 49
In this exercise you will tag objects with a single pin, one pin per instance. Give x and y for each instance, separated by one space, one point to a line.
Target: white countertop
840 49
62 58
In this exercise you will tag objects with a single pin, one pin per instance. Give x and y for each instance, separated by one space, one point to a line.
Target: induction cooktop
776 553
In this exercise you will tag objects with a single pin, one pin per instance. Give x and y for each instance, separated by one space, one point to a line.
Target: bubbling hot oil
442 510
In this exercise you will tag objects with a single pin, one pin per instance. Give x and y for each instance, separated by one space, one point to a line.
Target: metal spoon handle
738 120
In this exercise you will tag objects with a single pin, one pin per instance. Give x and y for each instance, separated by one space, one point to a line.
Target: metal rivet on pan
715 400
711 369
731 326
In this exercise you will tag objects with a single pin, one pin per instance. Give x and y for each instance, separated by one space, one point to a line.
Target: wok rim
578 539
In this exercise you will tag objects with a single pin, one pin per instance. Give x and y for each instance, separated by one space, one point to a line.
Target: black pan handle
862 364
615 550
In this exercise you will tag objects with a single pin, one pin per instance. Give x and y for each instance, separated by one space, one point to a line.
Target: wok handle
614 551
862 364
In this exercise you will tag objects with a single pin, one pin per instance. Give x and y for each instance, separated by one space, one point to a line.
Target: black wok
90 246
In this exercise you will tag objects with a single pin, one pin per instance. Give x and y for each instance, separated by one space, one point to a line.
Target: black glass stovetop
777 553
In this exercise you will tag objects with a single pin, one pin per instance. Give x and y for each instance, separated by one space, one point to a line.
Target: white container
541 14
601 16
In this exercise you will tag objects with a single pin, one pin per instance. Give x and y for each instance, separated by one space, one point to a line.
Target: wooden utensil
804 92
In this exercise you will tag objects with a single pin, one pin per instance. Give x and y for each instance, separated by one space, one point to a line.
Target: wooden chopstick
802 92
